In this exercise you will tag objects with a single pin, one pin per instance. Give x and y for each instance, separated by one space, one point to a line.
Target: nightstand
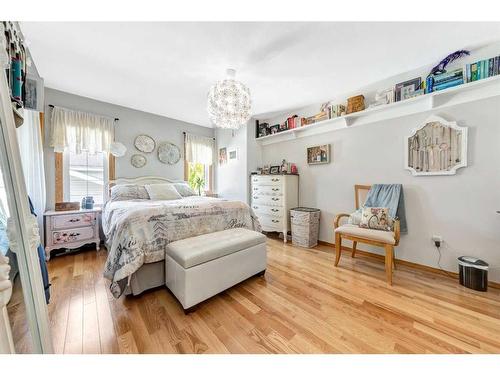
71 229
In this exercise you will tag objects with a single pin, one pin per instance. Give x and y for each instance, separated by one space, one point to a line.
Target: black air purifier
473 273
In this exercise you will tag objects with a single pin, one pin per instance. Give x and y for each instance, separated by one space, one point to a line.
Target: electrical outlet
437 238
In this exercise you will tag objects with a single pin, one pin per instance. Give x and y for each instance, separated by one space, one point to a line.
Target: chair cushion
372 234
193 251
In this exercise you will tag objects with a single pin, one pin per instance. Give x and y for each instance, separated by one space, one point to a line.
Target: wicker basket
305 226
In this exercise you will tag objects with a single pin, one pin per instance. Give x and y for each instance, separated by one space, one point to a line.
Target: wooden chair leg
389 253
338 248
393 259
354 244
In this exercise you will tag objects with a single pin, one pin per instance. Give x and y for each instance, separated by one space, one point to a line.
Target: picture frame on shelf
263 129
274 129
405 89
318 154
274 169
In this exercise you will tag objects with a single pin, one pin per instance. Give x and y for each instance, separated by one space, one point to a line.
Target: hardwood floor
302 305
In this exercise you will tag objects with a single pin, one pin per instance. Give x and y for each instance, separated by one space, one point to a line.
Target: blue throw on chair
390 196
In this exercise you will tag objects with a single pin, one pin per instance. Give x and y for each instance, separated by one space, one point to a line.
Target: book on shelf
482 69
448 84
448 76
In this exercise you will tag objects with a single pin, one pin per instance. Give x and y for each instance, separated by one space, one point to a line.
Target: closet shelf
466 93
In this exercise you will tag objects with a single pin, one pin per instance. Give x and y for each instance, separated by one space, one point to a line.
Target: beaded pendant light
229 103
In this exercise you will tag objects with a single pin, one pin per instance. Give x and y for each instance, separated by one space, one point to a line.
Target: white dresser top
71 212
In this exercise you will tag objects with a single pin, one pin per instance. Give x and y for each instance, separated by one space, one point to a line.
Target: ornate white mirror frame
422 151
23 236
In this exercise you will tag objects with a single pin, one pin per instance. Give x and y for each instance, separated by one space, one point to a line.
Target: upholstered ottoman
198 268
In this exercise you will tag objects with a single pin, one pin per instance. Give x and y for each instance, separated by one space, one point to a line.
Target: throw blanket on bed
390 196
138 231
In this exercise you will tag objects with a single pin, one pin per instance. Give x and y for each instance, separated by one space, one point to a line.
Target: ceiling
167 68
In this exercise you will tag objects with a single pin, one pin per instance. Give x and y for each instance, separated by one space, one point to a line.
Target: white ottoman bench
200 267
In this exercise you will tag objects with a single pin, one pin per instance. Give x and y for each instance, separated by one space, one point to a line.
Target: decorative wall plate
138 160
144 143
438 147
168 153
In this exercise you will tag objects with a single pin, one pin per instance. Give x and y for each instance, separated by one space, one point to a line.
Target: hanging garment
43 263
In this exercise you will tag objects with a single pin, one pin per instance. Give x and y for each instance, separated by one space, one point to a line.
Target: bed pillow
376 218
163 192
128 192
184 189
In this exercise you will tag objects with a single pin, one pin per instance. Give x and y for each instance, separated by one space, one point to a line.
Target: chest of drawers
272 197
71 229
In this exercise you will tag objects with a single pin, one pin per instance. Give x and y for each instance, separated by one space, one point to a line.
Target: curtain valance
199 149
80 131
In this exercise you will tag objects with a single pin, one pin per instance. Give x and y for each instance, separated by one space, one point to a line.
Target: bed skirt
150 275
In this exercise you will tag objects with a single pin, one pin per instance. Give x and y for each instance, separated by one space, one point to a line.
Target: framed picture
263 129
232 154
318 154
222 156
404 90
274 129
446 153
34 93
274 169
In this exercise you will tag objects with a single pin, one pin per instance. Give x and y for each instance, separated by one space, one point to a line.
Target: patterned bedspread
137 231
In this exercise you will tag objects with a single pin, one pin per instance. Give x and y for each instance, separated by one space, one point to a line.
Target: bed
138 230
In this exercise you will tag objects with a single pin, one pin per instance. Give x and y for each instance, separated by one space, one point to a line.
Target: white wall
231 178
131 124
461 208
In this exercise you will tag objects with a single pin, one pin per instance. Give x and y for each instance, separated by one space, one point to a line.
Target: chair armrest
397 229
337 219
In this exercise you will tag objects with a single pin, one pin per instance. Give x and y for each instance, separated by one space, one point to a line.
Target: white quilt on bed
137 231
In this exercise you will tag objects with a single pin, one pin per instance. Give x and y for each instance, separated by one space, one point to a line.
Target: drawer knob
74 220
255 207
275 221
274 210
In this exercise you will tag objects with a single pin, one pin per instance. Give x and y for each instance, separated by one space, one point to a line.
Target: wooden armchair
379 238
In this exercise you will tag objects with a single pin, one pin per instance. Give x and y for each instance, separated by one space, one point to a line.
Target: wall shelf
468 92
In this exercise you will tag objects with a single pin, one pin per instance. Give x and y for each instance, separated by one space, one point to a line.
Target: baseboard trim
422 267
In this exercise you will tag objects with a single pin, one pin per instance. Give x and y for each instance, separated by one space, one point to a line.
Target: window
198 159
199 177
85 175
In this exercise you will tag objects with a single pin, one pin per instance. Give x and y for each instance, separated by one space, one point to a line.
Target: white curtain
80 131
29 137
199 149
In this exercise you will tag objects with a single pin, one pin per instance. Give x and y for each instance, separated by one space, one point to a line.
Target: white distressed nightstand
71 229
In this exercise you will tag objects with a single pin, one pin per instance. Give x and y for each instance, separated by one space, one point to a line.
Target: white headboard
143 180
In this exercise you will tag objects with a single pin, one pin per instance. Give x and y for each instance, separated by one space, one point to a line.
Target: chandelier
229 103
